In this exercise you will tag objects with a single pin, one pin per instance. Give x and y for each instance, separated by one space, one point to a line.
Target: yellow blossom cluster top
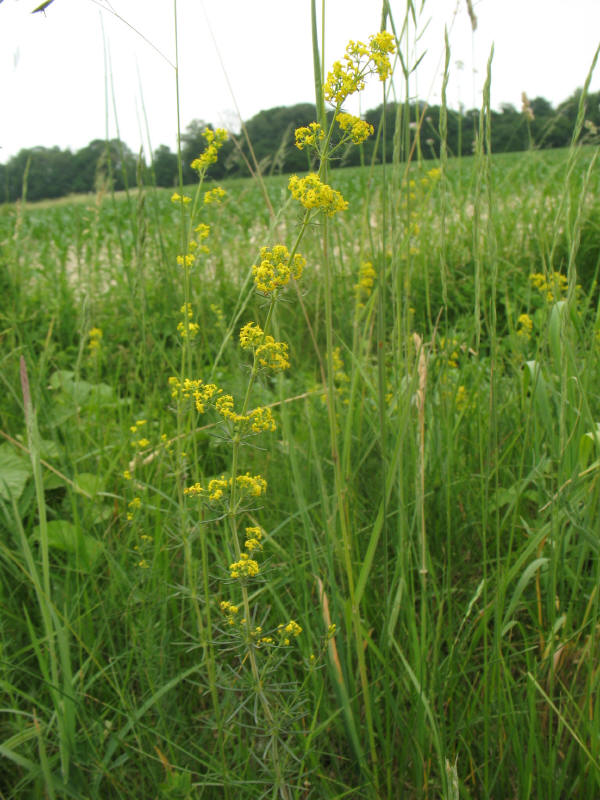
248 485
554 287
246 567
313 193
366 280
178 198
230 610
524 326
215 196
360 60
268 353
95 341
291 629
309 136
215 139
191 328
201 392
135 430
258 420
276 268
254 535
195 246
451 348
356 128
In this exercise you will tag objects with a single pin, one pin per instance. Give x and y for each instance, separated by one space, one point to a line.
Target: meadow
352 552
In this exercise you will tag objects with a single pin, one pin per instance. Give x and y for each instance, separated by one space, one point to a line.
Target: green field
409 607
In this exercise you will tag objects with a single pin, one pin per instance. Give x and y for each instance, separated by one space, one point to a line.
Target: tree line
266 143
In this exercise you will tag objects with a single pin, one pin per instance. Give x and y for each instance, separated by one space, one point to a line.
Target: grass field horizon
299 477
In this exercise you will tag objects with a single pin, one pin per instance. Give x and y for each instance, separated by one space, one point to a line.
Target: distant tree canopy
411 130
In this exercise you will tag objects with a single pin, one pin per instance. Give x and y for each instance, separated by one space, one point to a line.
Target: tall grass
432 484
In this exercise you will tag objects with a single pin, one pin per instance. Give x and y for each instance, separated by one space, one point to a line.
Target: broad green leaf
90 483
528 574
15 471
64 536
589 444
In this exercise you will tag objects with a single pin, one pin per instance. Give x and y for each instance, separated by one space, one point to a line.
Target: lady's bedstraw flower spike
359 61
249 485
355 128
214 196
309 136
177 198
269 353
291 629
215 139
312 193
382 46
95 341
246 567
276 268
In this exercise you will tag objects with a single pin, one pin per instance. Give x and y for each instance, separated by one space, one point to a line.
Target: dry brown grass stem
421 391
331 646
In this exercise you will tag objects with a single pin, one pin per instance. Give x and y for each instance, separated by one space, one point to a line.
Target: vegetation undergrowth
299 498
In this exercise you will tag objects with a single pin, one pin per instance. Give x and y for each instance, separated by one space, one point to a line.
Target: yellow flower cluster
553 288
133 505
186 260
276 268
312 193
309 136
203 231
254 485
145 540
258 420
230 610
340 376
246 567
291 629
524 326
215 196
356 128
261 419
462 398
216 488
196 245
251 336
359 61
366 280
135 430
95 341
251 485
451 348
201 392
269 353
254 534
178 198
215 139
273 355
192 328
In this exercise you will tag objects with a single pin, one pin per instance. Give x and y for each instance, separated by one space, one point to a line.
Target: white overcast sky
79 72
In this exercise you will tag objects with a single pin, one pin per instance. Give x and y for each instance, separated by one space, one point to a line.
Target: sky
87 69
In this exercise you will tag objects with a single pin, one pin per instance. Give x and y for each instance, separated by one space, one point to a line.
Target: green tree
165 167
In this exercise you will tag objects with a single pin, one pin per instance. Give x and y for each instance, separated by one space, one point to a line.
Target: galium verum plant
230 501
